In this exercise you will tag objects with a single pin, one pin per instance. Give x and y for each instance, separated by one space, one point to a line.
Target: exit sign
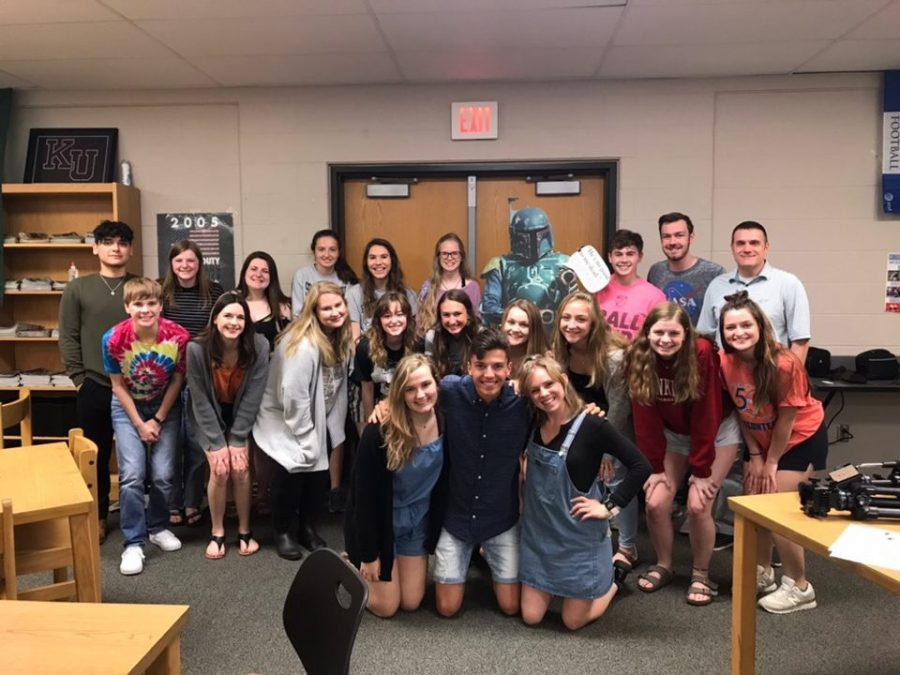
473 120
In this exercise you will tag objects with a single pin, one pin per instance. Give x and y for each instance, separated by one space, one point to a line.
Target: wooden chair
8 580
17 412
323 610
46 546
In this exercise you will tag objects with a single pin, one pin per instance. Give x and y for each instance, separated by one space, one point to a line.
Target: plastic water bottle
125 175
73 271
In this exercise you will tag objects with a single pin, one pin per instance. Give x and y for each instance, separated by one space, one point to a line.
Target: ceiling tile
722 22
885 24
53 11
238 71
397 6
76 41
856 55
516 64
268 36
487 31
224 9
706 60
117 73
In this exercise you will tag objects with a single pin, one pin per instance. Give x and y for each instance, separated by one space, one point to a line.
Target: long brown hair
274 295
766 352
211 340
334 348
537 339
170 281
441 344
601 338
398 429
643 382
426 315
394 281
378 337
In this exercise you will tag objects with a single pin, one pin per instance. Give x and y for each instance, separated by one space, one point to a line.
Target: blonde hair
333 349
643 382
141 288
555 371
398 430
601 339
427 316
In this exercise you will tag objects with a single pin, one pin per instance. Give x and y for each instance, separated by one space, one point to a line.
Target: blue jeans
627 520
132 454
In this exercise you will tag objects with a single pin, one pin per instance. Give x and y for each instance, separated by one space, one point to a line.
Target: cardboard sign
590 268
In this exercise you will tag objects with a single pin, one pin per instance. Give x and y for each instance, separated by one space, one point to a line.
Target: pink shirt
626 307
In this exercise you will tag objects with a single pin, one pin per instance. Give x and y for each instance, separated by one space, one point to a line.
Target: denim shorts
452 557
729 434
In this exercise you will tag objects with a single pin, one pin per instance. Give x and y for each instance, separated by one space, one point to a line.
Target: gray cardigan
292 427
205 413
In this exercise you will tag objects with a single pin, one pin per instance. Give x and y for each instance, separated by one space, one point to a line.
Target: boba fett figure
532 270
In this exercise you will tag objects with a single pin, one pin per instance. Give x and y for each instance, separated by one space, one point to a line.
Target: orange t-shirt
227 383
793 392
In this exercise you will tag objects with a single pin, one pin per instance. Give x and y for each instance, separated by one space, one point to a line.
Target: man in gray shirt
682 277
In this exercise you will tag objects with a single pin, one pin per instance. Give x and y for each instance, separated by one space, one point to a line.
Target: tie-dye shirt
146 368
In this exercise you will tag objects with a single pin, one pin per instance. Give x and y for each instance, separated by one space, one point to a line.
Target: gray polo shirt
780 295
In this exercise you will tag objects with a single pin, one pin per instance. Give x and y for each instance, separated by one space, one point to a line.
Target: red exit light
474 121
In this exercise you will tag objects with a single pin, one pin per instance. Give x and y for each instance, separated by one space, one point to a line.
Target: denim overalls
560 554
413 484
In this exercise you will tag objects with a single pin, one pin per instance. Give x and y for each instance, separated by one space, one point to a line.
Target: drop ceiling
150 44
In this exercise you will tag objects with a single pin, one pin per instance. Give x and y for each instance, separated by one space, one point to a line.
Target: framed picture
71 156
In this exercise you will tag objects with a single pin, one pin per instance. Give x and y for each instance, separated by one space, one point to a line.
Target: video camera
866 497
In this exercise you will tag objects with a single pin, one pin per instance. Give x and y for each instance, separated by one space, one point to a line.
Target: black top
595 394
595 438
269 327
369 519
189 310
366 371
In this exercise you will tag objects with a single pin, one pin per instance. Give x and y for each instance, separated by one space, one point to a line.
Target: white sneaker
132 560
789 598
166 541
765 579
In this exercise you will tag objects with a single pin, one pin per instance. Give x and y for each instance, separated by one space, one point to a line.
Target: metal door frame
606 169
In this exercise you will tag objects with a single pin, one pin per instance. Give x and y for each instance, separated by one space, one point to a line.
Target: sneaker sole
767 589
797 608
166 550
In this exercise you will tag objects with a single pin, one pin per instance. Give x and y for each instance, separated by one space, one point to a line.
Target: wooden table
44 483
781 514
66 638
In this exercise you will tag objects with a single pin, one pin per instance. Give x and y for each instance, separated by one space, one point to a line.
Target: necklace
112 289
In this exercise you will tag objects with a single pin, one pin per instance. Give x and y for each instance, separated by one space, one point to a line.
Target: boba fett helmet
530 234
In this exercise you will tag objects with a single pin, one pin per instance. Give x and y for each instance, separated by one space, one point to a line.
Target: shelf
48 247
63 188
10 338
8 293
39 388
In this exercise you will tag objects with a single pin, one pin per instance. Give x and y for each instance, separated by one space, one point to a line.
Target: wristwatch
612 507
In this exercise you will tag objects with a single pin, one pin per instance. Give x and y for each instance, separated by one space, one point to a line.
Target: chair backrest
84 450
8 580
17 412
323 610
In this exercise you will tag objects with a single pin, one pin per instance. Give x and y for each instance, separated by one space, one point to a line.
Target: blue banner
890 147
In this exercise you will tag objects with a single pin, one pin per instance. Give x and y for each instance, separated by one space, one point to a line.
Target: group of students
580 420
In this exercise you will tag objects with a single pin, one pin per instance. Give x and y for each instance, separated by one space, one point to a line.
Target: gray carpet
235 622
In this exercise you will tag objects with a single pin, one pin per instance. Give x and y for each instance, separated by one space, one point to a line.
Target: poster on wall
892 289
212 232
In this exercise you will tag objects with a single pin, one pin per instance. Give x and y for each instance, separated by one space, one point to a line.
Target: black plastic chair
323 610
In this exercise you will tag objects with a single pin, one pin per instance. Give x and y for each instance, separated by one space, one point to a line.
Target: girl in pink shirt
682 422
783 427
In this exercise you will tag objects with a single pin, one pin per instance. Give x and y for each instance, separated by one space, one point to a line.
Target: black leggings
296 493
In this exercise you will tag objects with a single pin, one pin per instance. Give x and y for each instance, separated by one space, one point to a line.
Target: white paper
869 546
590 268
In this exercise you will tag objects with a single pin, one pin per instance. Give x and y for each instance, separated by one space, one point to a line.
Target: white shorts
729 434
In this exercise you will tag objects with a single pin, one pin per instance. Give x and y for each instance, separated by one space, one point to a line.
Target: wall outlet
844 434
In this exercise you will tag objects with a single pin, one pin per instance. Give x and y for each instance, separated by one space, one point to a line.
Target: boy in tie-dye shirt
145 358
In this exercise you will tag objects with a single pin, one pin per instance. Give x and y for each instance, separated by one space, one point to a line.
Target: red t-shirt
698 419
793 392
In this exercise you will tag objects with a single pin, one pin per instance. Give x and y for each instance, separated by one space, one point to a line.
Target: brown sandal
702 585
663 577
628 558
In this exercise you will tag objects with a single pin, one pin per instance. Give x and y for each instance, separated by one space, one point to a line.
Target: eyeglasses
450 255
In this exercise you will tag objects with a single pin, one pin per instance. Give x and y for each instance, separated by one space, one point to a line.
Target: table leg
169 662
86 561
743 607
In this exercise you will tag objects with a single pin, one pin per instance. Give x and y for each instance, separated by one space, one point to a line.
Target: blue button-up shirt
483 443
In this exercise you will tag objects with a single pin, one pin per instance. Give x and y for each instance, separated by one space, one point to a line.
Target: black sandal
245 538
218 540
